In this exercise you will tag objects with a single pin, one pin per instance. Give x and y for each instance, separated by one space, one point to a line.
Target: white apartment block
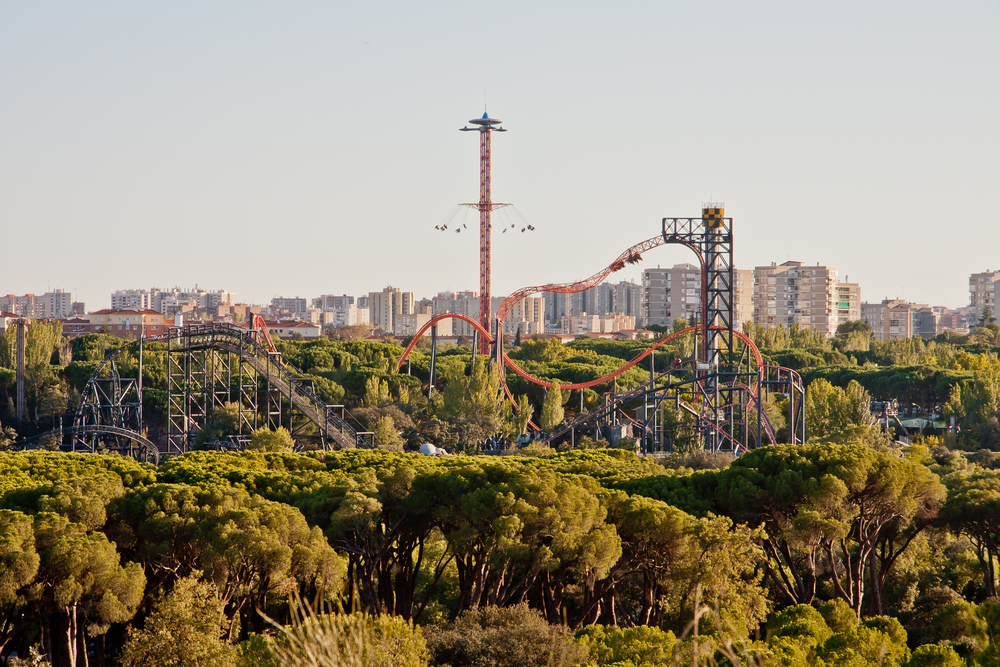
349 315
809 296
384 306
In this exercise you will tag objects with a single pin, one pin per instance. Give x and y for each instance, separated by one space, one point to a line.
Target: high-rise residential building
626 298
655 297
590 301
56 304
132 299
809 296
670 294
742 297
385 305
556 306
460 303
527 315
956 320
982 292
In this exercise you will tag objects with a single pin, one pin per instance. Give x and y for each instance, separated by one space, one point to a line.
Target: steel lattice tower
485 126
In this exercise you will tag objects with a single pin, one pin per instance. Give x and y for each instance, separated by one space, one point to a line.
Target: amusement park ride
723 388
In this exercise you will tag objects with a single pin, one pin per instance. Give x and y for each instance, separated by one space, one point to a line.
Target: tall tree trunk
876 598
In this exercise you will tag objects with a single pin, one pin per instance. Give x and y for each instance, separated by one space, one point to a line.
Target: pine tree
552 408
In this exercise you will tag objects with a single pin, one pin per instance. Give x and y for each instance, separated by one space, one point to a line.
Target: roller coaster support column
432 380
718 300
497 329
22 326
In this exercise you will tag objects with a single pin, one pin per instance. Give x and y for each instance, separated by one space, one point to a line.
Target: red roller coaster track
632 255
579 385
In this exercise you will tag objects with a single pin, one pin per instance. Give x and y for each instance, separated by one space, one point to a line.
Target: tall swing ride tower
486 126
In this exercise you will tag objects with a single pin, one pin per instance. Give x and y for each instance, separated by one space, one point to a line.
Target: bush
185 628
265 440
515 636
838 615
641 646
343 640
931 655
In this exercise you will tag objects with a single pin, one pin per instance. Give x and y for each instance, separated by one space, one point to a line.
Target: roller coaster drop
724 388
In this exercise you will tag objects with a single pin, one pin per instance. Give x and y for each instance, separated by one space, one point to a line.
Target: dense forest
848 550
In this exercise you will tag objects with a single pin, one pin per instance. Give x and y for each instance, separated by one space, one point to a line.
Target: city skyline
171 145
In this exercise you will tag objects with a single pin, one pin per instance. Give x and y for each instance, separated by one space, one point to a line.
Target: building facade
385 305
121 323
809 296
56 304
982 292
896 319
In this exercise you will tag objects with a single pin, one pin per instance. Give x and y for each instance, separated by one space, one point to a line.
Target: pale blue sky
306 148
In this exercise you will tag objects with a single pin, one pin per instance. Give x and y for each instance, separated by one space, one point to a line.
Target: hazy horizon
275 150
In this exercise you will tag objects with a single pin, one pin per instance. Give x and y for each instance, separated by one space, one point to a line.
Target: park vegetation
848 550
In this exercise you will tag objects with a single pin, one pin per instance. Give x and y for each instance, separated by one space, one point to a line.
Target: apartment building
675 293
461 303
51 305
982 292
170 301
593 301
117 322
895 319
585 323
384 306
623 297
294 305
349 315
809 296
328 302
556 306
527 316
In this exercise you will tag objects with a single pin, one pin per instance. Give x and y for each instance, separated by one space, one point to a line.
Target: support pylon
485 126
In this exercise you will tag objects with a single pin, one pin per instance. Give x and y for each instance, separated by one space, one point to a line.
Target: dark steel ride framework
208 366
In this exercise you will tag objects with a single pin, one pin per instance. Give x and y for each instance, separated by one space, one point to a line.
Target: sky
298 149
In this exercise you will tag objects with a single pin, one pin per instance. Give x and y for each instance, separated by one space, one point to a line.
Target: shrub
515 636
